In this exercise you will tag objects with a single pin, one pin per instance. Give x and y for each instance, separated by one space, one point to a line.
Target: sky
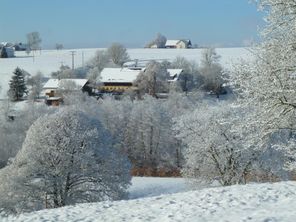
99 23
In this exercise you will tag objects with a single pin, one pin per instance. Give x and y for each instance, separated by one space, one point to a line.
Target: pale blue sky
98 23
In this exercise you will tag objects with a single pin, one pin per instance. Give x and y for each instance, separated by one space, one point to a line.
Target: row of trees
145 129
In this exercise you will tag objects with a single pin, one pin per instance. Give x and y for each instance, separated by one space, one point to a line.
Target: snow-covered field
50 60
254 202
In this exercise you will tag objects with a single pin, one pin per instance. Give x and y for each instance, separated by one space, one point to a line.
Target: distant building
154 46
7 44
178 44
20 47
118 80
8 48
52 87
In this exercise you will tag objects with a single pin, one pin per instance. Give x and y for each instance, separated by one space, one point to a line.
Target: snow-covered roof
51 84
174 74
172 42
119 75
55 83
6 44
54 98
136 64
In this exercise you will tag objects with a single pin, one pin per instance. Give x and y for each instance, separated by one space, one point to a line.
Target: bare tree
34 40
118 54
212 72
100 60
159 41
59 46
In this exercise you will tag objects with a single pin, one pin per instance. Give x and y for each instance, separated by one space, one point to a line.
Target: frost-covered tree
216 148
36 85
14 125
153 79
159 41
190 79
34 40
212 72
118 54
65 72
59 46
17 85
94 76
268 83
147 136
66 158
100 60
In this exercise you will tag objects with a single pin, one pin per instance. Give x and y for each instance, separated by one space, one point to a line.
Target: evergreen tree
3 53
17 85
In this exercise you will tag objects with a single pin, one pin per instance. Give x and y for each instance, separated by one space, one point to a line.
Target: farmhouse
118 80
178 44
53 88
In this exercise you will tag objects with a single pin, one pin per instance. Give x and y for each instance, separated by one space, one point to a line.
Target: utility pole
82 57
73 55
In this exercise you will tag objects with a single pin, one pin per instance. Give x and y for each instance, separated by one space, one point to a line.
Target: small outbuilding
53 88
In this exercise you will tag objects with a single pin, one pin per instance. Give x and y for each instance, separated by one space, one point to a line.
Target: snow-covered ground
48 61
150 187
254 202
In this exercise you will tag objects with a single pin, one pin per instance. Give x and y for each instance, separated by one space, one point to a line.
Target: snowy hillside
50 60
255 202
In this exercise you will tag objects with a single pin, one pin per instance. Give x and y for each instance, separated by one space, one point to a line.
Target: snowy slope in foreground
256 202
